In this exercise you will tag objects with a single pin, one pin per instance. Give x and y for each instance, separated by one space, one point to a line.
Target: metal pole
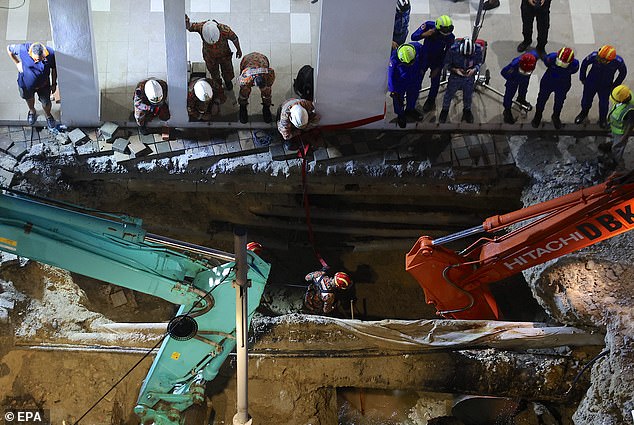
242 328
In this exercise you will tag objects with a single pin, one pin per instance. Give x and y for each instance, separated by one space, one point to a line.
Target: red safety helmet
342 280
565 56
607 53
528 62
256 247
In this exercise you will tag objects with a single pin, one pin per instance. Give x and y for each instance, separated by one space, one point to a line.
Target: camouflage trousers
223 65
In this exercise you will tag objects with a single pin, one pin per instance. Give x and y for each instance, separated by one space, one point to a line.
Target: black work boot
522 101
556 120
266 114
603 123
244 115
442 118
508 117
523 46
537 119
581 117
413 114
429 105
467 116
401 121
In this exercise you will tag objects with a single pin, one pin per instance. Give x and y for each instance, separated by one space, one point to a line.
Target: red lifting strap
302 153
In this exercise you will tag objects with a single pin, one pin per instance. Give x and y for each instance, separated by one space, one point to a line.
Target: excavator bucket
439 272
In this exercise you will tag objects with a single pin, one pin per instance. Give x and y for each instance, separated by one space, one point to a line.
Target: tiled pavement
129 42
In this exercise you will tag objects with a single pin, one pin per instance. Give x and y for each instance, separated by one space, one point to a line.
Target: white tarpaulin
354 51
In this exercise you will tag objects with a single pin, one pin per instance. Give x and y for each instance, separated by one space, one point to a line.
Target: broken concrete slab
18 150
105 146
67 150
118 299
25 167
108 130
77 136
8 162
62 138
89 148
5 143
120 145
120 157
4 315
6 302
137 148
6 178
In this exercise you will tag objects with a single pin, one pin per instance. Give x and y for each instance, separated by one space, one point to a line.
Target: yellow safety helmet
444 24
406 53
621 94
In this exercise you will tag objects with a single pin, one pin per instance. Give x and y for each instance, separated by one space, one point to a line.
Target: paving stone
5 143
334 152
77 136
247 145
163 147
118 299
17 136
148 139
25 167
4 130
68 150
108 130
6 177
104 146
233 146
89 148
8 162
390 156
120 145
18 150
121 157
153 150
15 128
138 149
232 137
243 134
190 144
177 145
220 149
277 152
321 154
202 143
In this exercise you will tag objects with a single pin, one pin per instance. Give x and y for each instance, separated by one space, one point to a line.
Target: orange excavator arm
457 283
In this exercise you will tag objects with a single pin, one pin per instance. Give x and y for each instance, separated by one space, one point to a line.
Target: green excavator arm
114 248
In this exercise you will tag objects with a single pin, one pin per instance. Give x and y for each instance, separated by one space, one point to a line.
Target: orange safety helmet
342 280
256 247
565 56
528 62
607 53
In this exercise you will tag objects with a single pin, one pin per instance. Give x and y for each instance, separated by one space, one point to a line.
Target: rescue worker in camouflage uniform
216 51
323 292
296 116
204 97
150 102
255 71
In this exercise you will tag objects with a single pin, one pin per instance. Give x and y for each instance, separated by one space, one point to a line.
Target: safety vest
617 116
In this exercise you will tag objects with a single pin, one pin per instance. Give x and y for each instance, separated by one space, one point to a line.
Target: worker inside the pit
325 294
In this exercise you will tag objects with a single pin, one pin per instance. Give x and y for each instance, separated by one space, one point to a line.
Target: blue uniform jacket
602 75
401 26
35 75
511 71
401 76
455 59
436 46
560 77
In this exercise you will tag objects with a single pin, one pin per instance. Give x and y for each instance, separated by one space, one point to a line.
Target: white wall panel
354 51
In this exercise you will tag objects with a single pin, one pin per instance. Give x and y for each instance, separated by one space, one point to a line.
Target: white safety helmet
203 90
153 91
299 116
211 33
466 46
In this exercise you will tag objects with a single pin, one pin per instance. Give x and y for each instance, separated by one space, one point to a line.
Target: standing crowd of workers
434 47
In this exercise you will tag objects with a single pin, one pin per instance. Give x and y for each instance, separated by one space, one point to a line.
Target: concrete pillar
71 25
176 54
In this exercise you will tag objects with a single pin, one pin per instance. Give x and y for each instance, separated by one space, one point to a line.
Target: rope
583 369
302 153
